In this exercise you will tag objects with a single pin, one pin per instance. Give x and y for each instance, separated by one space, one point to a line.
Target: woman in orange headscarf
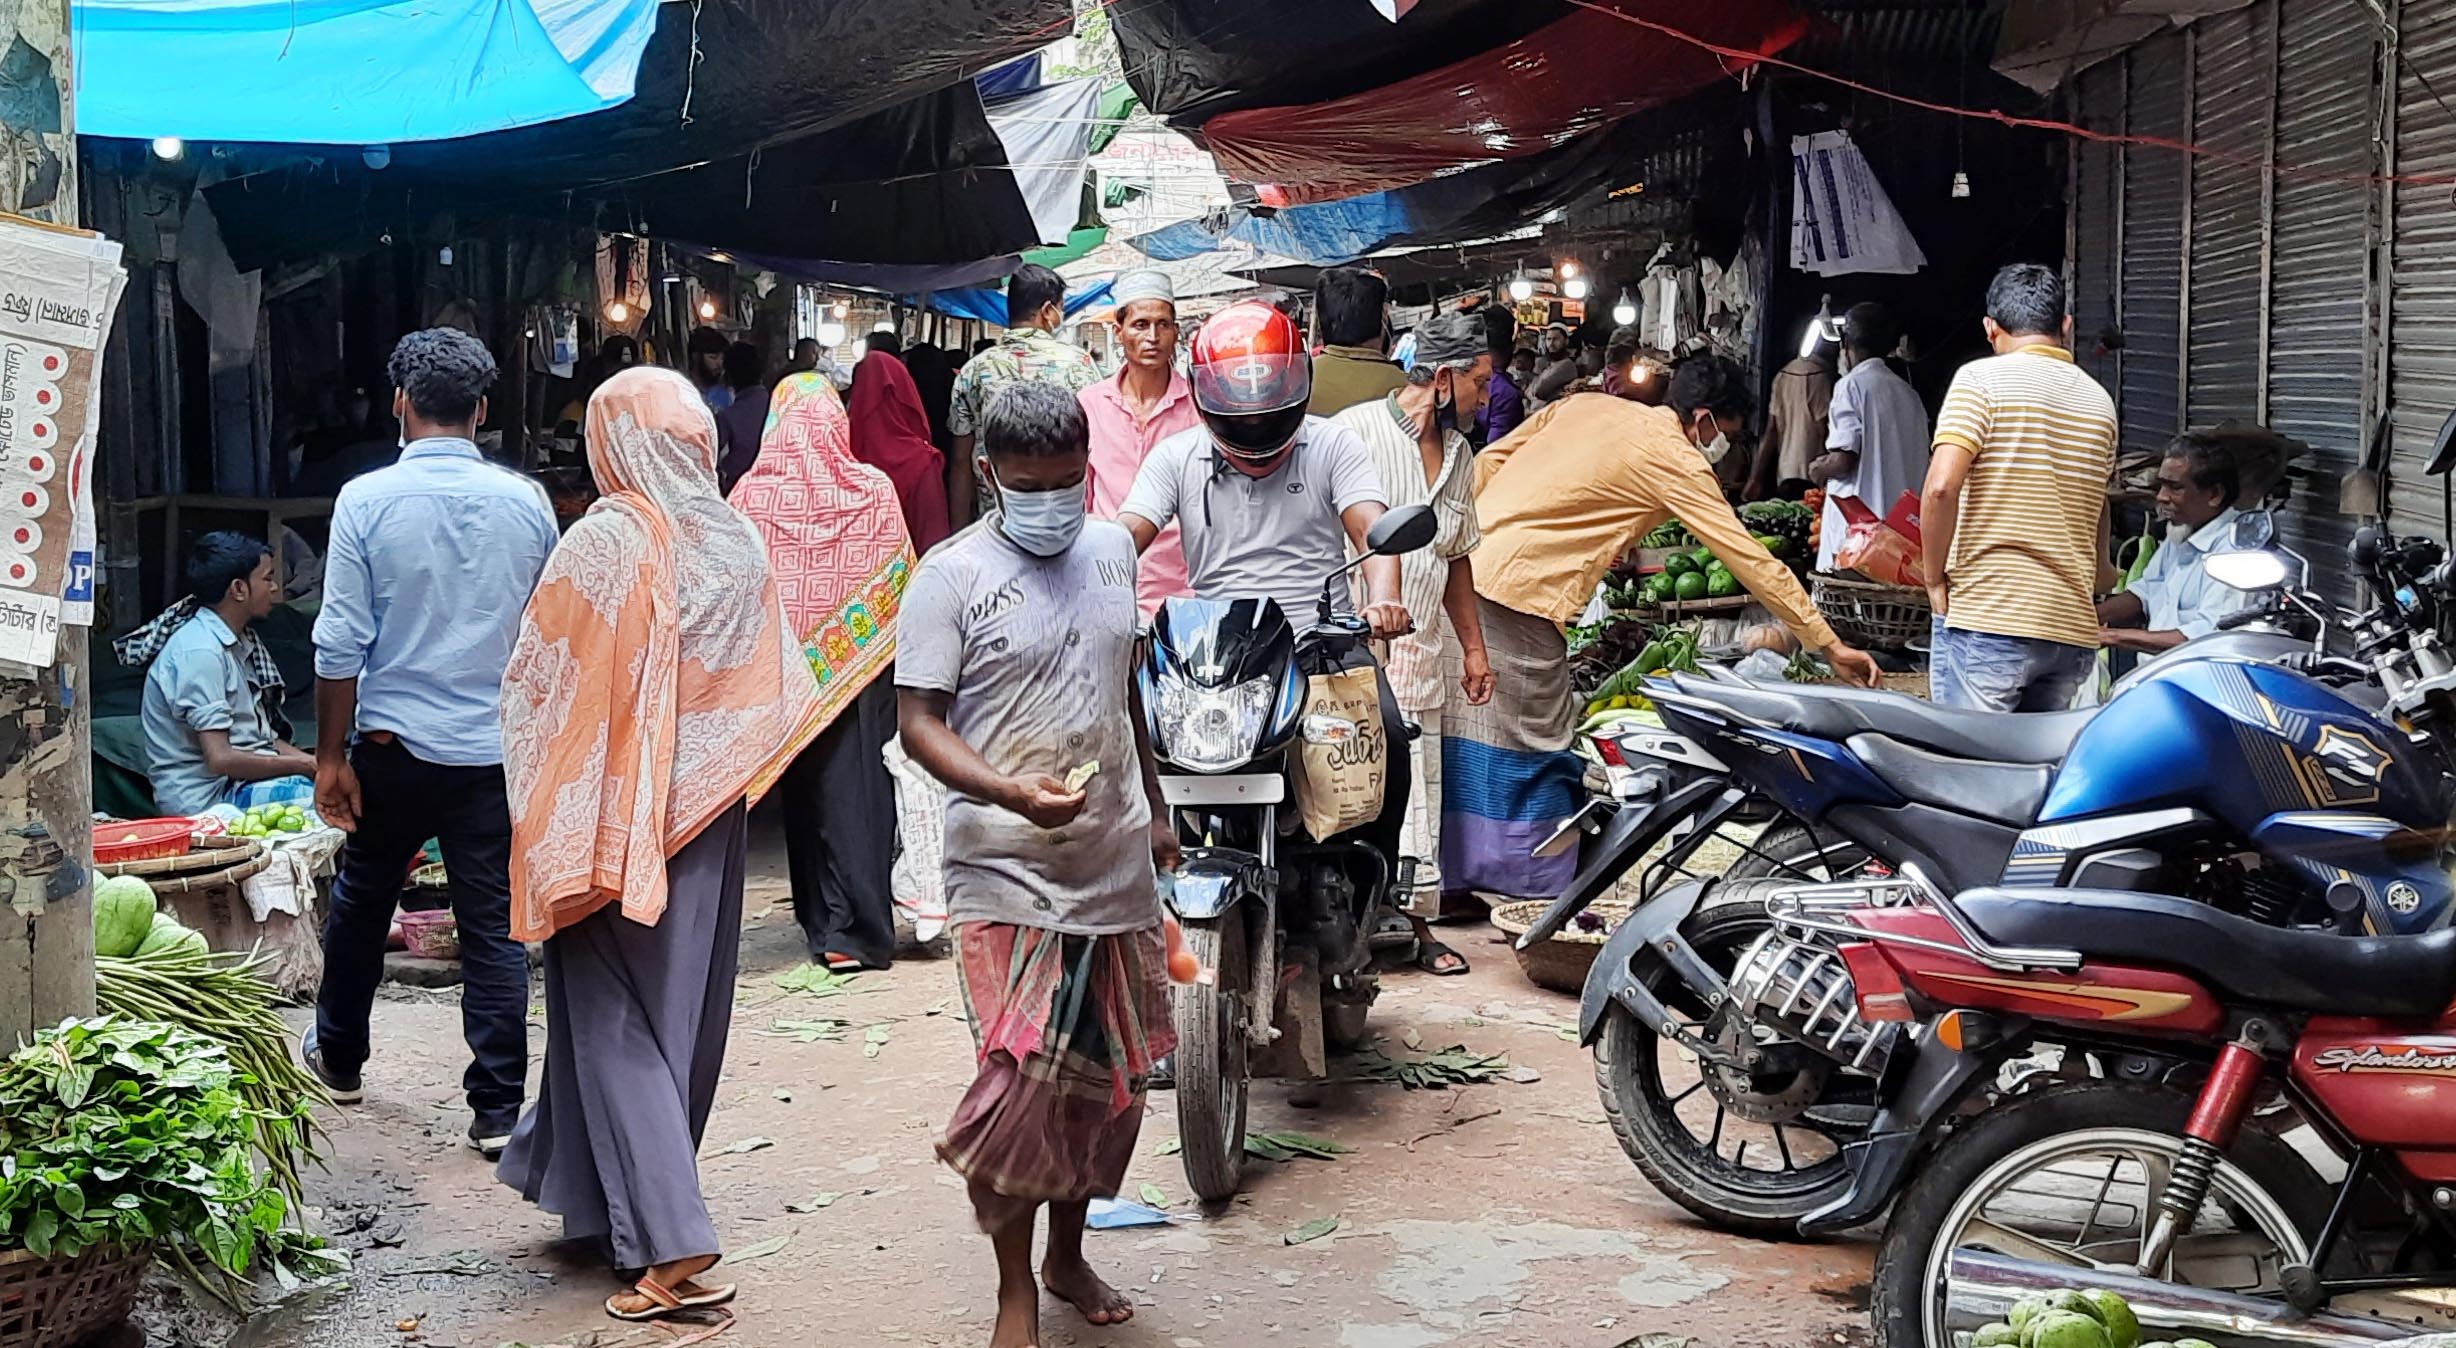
655 689
840 553
892 434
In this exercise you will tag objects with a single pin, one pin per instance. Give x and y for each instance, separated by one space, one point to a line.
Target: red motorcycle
2248 1131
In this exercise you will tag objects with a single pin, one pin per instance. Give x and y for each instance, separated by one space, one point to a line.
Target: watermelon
123 915
169 937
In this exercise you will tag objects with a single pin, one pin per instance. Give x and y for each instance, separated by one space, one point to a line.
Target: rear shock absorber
2225 1100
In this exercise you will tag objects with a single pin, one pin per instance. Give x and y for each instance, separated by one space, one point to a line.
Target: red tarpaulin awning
1572 76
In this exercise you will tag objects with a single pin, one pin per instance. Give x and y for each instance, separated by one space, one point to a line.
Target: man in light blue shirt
208 739
2174 600
431 563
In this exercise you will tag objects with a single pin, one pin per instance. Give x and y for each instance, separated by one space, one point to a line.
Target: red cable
2031 123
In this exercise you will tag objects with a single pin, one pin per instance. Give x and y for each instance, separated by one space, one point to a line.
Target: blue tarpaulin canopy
350 72
989 306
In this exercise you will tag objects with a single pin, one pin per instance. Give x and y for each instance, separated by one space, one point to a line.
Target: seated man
2174 600
209 736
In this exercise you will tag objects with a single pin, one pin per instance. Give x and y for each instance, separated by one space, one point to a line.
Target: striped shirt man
2040 434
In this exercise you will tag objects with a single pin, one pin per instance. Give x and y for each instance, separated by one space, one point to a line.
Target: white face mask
1716 448
1043 523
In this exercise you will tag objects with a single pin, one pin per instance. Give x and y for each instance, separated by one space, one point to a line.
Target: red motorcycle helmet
1252 380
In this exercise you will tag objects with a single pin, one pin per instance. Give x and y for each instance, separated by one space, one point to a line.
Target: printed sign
58 290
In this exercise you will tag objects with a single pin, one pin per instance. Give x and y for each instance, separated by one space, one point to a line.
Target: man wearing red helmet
1269 497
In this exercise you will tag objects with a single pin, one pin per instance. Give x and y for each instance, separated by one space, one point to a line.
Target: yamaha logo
2403 898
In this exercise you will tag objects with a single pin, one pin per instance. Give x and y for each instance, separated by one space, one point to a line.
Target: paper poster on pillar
57 293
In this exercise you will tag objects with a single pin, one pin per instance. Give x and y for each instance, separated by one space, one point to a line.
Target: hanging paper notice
58 289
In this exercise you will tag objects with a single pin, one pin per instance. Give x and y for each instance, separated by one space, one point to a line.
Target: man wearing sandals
1014 687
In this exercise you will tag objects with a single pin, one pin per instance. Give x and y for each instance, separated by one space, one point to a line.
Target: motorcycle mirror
1406 529
2443 453
2248 570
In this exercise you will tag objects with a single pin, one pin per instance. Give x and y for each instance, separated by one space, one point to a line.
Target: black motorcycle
1281 924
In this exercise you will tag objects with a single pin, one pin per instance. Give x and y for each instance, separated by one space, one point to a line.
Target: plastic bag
918 880
1343 754
1877 548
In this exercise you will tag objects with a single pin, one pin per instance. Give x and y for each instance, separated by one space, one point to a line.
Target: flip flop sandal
664 1301
843 964
1429 959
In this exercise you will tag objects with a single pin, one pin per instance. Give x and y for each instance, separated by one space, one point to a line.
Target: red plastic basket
430 934
143 840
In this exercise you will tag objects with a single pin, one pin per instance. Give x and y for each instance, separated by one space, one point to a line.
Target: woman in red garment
892 434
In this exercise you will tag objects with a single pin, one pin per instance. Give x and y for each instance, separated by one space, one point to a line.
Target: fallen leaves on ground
816 980
1456 1065
1312 1230
805 1031
1154 1196
762 1250
748 1144
1275 1146
873 1040
825 1198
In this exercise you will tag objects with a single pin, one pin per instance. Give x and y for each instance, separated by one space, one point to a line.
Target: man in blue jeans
432 561
2013 518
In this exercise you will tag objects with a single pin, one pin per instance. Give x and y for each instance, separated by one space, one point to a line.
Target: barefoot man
1014 687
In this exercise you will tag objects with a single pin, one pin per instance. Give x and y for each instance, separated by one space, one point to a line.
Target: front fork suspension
2225 1101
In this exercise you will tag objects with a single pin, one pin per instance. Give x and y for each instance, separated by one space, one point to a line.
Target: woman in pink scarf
840 552
654 691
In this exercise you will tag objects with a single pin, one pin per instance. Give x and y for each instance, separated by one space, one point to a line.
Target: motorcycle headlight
1211 729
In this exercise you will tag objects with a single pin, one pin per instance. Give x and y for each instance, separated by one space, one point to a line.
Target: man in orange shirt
1560 501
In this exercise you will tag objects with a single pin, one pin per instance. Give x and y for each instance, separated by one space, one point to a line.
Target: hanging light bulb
1625 312
1574 287
1521 288
831 334
707 308
1961 184
842 309
169 147
618 312
1569 269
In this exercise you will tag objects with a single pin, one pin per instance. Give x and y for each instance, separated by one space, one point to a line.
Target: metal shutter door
2232 57
2422 277
2327 106
2153 206
2097 208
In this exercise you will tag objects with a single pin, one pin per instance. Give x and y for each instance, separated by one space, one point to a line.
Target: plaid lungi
1067 1029
1509 775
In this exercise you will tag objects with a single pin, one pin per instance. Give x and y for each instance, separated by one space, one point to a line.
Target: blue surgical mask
1043 523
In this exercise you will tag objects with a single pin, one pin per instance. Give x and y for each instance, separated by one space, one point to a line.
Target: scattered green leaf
816 980
805 1031
1312 1230
824 1199
759 1251
873 1040
782 1095
1154 1196
746 1145
1170 1148
1456 1065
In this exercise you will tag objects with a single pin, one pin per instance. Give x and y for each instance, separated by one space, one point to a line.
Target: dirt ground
1499 1214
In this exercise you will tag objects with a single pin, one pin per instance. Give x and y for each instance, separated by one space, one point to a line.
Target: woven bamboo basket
1560 963
54 1303
218 854
1864 613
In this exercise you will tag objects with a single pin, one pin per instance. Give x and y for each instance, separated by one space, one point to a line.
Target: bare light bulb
1624 313
618 312
1574 287
169 147
1521 290
1569 270
842 309
707 308
831 334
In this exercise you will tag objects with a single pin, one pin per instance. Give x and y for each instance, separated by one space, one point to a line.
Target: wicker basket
208 854
1864 613
1560 963
54 1303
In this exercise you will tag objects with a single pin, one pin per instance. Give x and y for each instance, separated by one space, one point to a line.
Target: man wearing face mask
1559 502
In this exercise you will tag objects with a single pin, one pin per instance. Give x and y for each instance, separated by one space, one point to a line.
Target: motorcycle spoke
1784 1147
1714 1144
1994 1235
1675 1100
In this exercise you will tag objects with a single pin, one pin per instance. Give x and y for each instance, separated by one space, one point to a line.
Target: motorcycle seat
1835 713
2299 970
2008 793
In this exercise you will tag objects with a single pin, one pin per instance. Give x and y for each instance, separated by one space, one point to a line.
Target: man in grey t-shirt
1014 678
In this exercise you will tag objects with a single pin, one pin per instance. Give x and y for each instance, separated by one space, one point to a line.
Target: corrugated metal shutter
2096 204
2422 285
2232 57
2328 102
2153 205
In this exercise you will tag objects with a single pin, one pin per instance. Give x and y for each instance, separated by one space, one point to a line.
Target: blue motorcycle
2251 770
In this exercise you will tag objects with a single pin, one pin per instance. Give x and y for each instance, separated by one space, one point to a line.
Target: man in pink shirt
1145 402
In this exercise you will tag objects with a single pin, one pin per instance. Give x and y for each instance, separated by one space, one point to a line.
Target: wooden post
46 739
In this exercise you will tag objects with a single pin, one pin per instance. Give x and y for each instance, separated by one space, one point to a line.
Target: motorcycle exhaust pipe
1981 1287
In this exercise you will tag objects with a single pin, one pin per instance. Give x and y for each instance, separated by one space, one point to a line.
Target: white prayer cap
1147 284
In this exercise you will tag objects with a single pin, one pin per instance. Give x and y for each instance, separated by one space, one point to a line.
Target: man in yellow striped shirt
2013 518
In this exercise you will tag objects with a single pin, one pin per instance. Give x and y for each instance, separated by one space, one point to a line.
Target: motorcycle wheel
1212 1058
1643 1105
1789 851
2109 1141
